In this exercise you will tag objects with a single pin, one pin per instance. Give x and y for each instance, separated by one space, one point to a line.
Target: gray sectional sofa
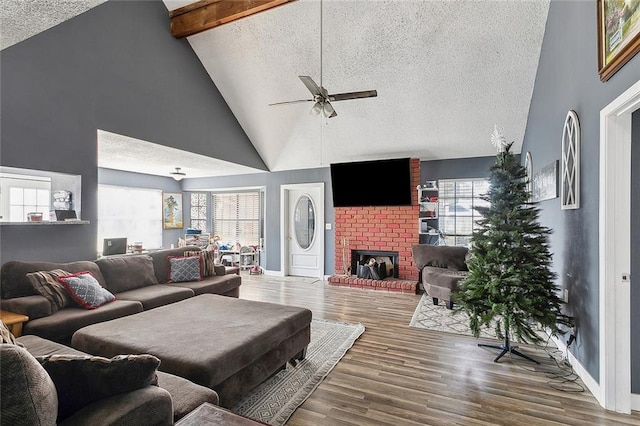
210 348
139 282
170 400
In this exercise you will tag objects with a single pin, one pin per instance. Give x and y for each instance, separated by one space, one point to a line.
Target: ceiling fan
321 96
323 99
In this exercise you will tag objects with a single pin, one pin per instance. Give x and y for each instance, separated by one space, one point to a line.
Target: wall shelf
47 223
428 202
428 213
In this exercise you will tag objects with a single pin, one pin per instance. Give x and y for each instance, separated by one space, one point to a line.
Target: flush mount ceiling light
178 175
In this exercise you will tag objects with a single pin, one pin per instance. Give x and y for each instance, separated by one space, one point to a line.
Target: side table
13 321
209 414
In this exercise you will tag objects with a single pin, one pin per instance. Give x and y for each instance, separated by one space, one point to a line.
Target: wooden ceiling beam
206 14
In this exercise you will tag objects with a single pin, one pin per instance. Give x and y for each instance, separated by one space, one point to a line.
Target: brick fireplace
387 228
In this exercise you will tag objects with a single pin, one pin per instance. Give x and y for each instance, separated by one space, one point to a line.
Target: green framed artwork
172 210
618 34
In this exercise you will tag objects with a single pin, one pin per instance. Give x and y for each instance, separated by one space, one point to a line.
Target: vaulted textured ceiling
445 72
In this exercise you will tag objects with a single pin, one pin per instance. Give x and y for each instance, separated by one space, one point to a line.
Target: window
457 214
134 213
23 201
23 191
199 211
236 217
21 195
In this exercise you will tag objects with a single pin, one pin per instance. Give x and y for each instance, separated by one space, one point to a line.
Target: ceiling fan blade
292 102
353 95
311 85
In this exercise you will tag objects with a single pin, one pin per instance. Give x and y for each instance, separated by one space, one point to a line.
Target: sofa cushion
123 273
46 283
442 277
83 379
185 394
85 290
32 306
61 326
28 393
449 257
183 269
220 284
156 295
221 269
14 281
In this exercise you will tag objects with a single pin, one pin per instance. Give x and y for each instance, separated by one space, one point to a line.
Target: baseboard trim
272 273
635 402
587 379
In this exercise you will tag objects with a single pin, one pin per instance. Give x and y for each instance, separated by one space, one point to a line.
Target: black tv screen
372 183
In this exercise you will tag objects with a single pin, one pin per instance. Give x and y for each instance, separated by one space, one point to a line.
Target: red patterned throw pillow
85 290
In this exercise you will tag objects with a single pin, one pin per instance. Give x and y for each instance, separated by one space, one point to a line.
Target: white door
304 236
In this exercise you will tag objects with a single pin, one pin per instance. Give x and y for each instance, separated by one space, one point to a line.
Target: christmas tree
510 282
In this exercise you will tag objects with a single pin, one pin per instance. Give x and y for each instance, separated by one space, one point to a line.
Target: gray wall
272 182
635 253
429 170
115 68
460 168
140 180
567 79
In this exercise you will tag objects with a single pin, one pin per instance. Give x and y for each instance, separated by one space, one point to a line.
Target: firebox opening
376 265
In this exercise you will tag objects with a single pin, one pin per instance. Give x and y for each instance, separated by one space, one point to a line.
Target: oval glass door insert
305 222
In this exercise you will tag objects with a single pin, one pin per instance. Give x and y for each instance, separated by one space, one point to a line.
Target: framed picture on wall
618 34
172 210
545 183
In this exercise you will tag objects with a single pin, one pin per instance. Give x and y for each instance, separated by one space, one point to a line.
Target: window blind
457 215
236 217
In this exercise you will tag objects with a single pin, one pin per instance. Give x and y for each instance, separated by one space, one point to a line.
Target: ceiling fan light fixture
178 175
328 110
317 107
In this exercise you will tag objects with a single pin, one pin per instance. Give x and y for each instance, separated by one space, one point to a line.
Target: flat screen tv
112 246
372 183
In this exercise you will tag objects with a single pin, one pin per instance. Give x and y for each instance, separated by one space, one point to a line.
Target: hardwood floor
396 375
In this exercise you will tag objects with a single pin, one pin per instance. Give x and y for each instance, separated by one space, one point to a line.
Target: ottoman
226 344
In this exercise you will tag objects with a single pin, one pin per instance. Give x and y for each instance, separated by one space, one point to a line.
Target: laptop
113 246
62 215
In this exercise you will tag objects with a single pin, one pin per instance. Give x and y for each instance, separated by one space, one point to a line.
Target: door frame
615 251
285 190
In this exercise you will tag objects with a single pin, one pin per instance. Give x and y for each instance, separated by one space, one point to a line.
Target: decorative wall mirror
305 222
570 187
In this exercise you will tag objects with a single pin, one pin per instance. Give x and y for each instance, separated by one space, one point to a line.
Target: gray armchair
440 268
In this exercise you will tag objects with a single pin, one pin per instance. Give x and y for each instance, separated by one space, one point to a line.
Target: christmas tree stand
506 347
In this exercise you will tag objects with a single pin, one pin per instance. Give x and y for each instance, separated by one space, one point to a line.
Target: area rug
275 400
439 318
